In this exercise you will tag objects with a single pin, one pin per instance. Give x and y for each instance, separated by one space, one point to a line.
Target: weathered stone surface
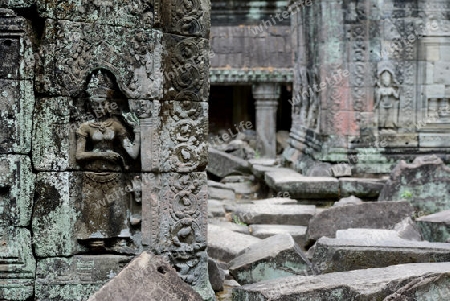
224 244
341 170
52 132
157 281
222 164
215 208
425 184
320 170
300 187
178 201
339 255
271 258
361 285
17 103
188 19
247 188
298 233
407 229
55 214
360 187
70 52
220 191
16 190
268 213
216 275
17 264
379 215
435 227
351 200
240 228
367 234
77 277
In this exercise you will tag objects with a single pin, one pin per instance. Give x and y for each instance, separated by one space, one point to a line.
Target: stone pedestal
266 96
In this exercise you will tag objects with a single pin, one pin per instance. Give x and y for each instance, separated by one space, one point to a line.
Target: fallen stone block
300 187
274 214
435 227
341 170
372 215
351 200
339 255
425 184
272 258
244 188
240 228
433 281
219 191
222 164
216 275
215 208
224 244
361 187
407 229
147 277
298 233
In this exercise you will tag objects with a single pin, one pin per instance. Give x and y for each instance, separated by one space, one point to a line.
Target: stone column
266 95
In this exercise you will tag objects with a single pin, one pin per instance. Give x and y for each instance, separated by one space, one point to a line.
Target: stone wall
371 82
102 142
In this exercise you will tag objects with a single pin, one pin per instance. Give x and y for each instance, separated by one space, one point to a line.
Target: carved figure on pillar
387 101
102 147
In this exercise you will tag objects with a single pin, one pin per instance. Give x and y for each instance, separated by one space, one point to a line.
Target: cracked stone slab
300 187
275 257
374 215
360 285
339 255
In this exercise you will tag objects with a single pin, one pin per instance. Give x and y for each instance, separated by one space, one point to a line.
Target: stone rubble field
333 238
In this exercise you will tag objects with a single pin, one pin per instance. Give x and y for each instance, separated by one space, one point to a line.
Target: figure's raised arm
132 148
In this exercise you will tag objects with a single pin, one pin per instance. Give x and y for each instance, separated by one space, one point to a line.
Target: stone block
16 190
367 234
17 264
16 58
351 200
340 255
425 184
377 215
157 281
215 208
224 244
53 135
221 194
435 227
116 13
222 164
186 68
77 277
17 103
275 214
186 18
341 170
240 228
275 257
298 233
300 187
432 280
183 146
174 223
71 50
55 214
216 275
360 187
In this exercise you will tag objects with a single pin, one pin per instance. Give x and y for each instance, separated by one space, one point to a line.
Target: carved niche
107 146
387 94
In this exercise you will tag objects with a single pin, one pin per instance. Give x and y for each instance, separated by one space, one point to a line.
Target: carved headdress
386 66
100 86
